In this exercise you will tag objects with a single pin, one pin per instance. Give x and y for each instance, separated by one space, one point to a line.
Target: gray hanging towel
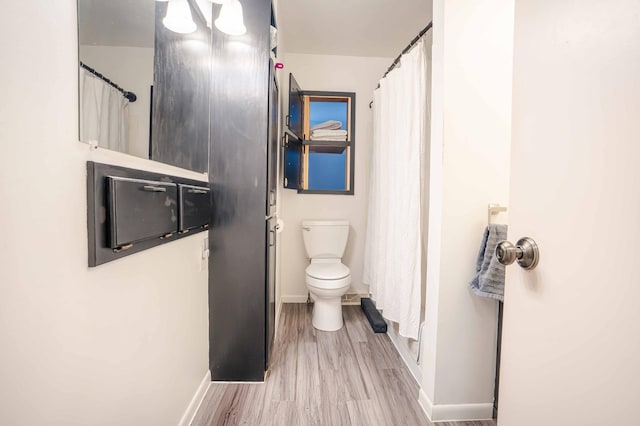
489 278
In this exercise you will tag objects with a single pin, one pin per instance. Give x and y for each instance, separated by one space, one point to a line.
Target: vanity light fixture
178 18
206 8
230 20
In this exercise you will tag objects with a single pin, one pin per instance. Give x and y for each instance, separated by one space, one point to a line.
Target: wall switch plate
204 260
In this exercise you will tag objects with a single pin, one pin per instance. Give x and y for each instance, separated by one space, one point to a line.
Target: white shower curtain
393 256
103 113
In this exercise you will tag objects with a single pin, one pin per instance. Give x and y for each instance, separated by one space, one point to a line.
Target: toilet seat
327 271
328 276
320 285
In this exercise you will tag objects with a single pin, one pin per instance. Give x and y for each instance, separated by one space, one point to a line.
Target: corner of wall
453 412
196 401
455 386
426 404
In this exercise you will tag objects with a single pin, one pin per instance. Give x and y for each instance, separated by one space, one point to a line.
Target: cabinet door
270 289
292 162
194 207
295 119
272 148
140 209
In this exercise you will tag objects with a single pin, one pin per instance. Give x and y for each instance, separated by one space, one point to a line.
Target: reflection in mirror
144 89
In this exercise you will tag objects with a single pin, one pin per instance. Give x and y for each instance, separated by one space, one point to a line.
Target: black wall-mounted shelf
132 210
299 145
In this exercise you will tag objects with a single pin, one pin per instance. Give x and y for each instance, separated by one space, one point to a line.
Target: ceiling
379 28
351 27
117 22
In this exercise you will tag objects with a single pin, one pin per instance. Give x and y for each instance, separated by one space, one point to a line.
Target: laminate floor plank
385 354
308 383
401 399
307 333
285 413
210 403
231 406
364 358
332 410
345 378
357 329
350 371
256 408
281 385
328 350
366 413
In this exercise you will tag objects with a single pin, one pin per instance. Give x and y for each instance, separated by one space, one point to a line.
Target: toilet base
327 313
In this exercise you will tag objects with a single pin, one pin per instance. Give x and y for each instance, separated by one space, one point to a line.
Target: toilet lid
328 271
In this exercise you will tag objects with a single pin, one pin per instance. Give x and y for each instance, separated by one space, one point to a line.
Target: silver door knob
525 252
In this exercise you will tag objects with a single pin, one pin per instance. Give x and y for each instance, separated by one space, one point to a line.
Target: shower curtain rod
129 95
405 50
408 48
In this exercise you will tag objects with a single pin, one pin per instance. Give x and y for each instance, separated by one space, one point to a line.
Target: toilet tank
325 239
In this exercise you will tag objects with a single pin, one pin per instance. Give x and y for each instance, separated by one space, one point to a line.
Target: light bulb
178 18
230 20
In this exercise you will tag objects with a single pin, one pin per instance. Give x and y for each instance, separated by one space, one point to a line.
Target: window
319 146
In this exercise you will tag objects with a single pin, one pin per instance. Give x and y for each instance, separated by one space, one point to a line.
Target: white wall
342 74
472 75
123 343
132 69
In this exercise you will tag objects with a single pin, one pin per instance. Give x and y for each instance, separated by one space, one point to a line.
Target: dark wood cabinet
242 173
140 210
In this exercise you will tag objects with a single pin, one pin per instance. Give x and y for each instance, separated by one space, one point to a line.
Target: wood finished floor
349 377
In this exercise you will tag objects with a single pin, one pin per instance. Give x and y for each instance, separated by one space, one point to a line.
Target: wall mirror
144 78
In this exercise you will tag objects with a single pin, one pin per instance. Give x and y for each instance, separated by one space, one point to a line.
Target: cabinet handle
152 188
122 248
198 191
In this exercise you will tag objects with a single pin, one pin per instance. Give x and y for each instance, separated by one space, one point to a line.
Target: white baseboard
294 298
425 403
404 351
348 299
278 311
454 412
192 409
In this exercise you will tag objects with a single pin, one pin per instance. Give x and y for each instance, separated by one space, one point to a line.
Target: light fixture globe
178 18
230 20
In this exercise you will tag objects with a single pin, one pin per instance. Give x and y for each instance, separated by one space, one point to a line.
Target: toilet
327 278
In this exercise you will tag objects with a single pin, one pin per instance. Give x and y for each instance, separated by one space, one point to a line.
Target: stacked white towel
328 131
327 125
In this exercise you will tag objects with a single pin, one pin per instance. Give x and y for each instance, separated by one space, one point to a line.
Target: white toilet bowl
327 278
327 282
